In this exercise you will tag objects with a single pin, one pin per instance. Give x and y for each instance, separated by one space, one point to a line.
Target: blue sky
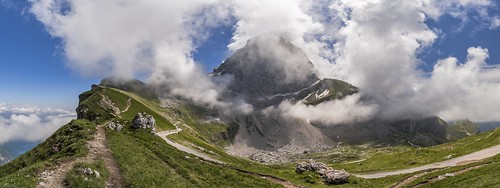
33 68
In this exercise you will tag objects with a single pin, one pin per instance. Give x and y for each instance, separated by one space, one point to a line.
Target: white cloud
495 22
30 123
347 110
464 90
373 44
129 38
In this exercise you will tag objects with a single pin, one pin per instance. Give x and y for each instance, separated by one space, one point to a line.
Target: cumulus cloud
130 38
373 44
30 123
464 90
378 48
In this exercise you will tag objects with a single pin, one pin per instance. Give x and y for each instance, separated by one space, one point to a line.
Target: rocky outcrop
324 90
310 165
330 175
267 65
95 106
144 121
115 126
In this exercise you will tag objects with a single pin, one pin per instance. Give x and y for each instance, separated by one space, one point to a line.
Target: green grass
400 157
139 104
147 161
78 179
485 176
67 143
119 98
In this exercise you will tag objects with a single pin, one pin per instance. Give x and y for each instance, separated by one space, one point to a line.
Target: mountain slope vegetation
145 160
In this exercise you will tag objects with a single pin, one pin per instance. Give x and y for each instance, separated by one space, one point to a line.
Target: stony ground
54 176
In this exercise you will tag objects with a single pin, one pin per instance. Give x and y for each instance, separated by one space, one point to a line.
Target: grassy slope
119 98
400 157
76 177
378 158
70 142
193 136
147 161
486 176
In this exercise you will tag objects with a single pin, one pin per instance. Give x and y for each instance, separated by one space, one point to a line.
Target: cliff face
268 65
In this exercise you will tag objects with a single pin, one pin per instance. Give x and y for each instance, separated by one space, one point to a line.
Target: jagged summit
268 65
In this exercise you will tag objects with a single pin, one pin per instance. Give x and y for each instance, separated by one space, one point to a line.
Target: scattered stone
330 175
87 171
144 121
449 174
97 174
187 157
115 126
441 177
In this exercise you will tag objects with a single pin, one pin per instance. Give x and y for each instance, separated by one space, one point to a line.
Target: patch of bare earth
411 178
54 176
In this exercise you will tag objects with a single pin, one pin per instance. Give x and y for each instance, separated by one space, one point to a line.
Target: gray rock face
144 121
115 126
268 65
330 175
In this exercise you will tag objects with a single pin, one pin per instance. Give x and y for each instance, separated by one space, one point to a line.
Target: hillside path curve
459 161
180 147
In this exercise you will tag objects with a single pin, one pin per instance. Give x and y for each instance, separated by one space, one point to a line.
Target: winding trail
444 176
180 147
54 176
459 161
164 135
104 152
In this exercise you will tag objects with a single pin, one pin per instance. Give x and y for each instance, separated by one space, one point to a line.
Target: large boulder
310 165
330 175
144 121
335 176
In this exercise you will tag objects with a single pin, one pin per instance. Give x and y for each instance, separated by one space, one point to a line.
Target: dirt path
164 135
128 105
443 176
104 152
276 180
180 147
459 161
54 176
411 178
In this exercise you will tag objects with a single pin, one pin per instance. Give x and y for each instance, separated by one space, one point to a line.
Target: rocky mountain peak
268 65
